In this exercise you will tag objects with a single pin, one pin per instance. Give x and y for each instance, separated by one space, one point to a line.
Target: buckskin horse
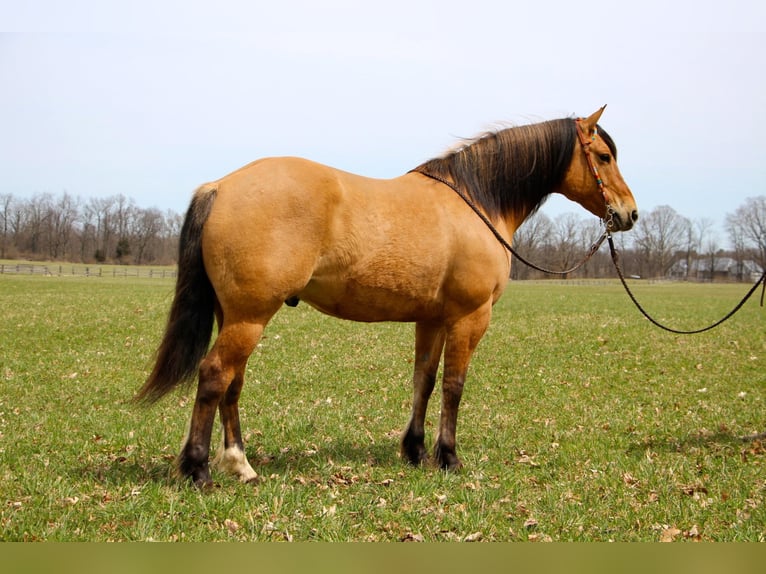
284 230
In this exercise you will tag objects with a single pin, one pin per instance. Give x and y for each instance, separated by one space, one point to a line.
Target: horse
409 249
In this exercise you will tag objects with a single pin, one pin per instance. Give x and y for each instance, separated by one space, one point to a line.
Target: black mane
512 170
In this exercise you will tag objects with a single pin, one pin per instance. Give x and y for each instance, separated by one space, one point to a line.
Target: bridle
585 146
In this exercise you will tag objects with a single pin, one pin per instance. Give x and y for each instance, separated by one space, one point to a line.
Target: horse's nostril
634 215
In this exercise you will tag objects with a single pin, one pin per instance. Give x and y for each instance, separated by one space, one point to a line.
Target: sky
151 99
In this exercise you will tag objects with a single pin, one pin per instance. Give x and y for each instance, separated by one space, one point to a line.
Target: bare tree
38 210
566 228
147 225
101 212
658 236
17 219
6 206
747 225
738 243
170 234
600 263
530 240
62 217
696 235
85 231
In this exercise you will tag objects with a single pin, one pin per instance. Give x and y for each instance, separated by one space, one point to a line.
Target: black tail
190 323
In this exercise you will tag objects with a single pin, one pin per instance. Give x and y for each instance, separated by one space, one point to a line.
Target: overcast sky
151 99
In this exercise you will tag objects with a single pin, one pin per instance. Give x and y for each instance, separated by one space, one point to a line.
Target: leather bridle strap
585 145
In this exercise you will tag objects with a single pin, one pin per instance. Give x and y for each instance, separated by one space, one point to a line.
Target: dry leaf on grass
412 537
669 534
231 525
475 537
524 458
530 524
693 534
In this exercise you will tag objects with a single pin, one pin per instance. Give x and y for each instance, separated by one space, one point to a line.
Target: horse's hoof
412 449
415 460
203 485
452 466
198 477
447 459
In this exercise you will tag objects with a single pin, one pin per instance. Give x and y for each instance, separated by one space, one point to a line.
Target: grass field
580 421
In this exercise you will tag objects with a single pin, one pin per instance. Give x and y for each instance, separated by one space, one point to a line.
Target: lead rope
615 260
585 144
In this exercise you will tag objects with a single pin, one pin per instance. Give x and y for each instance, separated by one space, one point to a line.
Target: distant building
723 269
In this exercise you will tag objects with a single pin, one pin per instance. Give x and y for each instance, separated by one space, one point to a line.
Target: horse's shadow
337 455
121 472
343 454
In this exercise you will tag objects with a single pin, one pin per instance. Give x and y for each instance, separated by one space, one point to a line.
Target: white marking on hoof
234 461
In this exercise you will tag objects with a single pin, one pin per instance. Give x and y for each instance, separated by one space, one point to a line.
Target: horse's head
593 179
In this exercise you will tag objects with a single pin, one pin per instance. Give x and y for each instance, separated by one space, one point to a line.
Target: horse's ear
589 123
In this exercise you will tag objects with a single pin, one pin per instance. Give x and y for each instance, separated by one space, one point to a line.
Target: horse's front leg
462 339
429 343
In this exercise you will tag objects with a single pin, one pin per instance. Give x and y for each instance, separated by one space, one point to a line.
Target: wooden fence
85 270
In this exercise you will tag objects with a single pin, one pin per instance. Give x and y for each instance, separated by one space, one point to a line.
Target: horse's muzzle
623 221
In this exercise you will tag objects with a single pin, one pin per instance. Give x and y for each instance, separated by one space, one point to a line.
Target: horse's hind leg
429 342
231 456
221 370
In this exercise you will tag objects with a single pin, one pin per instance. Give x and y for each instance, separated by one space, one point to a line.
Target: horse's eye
605 157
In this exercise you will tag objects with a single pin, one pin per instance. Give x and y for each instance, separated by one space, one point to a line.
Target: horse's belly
350 299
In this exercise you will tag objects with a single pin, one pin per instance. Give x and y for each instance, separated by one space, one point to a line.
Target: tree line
663 242
96 230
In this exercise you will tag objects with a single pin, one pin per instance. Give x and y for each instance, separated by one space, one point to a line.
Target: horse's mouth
622 222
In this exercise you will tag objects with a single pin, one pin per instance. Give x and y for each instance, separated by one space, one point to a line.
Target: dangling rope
621 275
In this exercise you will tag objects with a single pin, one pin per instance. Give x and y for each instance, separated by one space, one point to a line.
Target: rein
607 235
615 260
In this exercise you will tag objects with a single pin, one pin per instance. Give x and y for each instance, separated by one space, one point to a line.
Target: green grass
580 421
